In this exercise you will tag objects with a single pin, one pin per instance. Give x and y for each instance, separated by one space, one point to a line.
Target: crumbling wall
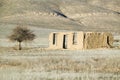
58 40
84 40
94 40
108 40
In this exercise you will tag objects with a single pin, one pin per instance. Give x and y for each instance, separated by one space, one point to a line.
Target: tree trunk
20 47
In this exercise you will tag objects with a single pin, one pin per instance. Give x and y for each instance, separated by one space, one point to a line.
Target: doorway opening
65 39
54 38
108 40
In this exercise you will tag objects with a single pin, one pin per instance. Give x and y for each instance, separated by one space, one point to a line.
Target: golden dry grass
62 64
32 64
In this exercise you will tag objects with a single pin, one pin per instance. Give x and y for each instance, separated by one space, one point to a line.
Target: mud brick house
80 40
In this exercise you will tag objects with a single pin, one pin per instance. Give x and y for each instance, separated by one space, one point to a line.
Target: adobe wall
85 40
79 41
79 44
70 45
58 41
98 40
109 43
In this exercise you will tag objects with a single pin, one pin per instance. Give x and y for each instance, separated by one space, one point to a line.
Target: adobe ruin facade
80 40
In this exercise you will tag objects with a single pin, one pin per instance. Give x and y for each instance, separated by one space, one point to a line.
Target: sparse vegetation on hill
92 15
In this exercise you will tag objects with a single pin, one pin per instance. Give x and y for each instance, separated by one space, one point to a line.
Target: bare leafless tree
21 34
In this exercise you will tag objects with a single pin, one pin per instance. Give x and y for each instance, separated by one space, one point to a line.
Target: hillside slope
88 15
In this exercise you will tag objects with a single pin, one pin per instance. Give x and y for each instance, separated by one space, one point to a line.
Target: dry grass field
44 64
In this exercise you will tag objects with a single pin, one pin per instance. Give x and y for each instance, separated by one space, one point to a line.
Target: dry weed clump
18 63
9 63
112 65
108 65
